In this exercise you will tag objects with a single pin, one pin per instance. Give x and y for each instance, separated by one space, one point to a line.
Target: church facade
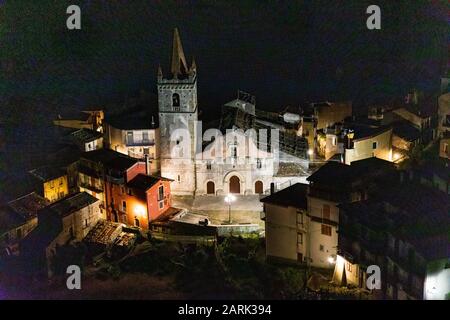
214 162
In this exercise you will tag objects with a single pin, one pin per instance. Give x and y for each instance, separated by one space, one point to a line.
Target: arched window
176 100
258 187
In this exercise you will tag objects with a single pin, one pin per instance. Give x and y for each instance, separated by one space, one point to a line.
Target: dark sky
283 52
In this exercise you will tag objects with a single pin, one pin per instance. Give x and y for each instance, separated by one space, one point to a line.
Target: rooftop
9 219
294 196
85 135
406 131
417 214
72 204
338 173
144 182
110 159
28 205
104 232
48 173
363 131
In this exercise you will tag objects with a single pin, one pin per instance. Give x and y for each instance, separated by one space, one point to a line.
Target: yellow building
53 182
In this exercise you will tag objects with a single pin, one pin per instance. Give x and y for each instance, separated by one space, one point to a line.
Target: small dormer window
176 100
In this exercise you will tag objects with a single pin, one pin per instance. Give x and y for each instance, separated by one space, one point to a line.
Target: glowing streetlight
139 210
331 260
310 152
229 199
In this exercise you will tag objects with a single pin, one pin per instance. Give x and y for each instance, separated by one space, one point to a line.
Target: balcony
139 143
90 187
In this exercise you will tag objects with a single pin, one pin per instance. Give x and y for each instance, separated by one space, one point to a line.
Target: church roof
179 64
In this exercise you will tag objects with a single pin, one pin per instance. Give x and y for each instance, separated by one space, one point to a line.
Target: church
234 158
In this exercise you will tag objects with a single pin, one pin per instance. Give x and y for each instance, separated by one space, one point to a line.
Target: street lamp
229 199
331 259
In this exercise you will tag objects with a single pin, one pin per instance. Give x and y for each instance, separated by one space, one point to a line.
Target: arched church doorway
258 187
235 185
210 188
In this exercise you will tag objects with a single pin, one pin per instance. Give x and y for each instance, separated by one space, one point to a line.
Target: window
326 230
146 151
145 137
208 165
130 137
299 217
160 193
86 223
176 100
333 141
374 145
179 178
321 248
124 206
71 232
299 238
349 267
258 163
445 147
234 151
136 222
326 212
130 191
122 189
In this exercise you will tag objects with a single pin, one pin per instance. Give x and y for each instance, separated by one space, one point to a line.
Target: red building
140 200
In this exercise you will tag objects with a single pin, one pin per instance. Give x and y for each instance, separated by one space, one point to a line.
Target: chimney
147 165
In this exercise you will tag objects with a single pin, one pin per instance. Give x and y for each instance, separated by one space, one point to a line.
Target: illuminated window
349 267
326 230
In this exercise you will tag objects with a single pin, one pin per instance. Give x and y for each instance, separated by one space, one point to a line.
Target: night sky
283 52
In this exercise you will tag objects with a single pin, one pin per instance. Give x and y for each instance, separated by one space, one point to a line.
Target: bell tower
177 103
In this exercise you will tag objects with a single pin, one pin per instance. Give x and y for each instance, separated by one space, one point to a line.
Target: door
235 185
210 188
258 187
